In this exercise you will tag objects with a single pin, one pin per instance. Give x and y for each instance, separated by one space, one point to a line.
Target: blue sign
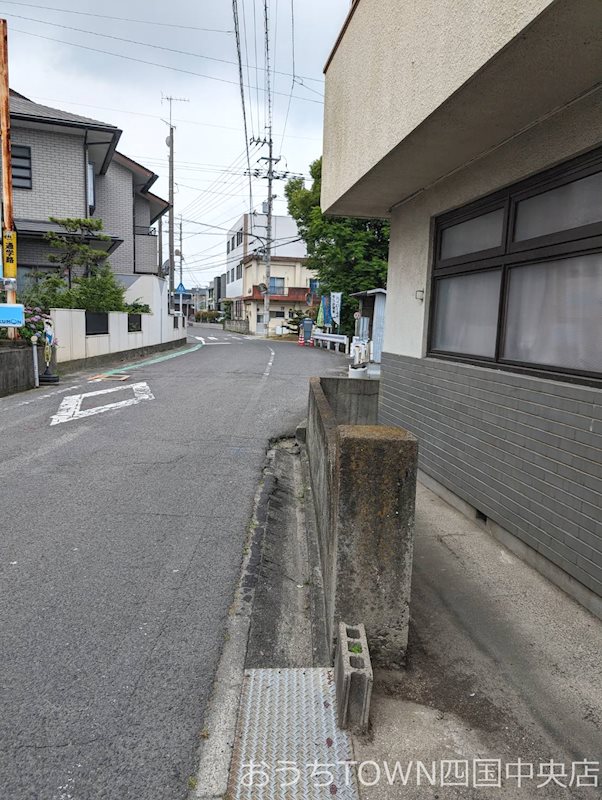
12 315
180 289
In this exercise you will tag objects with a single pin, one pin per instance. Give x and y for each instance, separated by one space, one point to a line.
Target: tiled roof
27 108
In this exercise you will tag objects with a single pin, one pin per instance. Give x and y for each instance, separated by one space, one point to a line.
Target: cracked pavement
123 535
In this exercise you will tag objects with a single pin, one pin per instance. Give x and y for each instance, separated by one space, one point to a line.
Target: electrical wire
290 97
142 61
242 98
134 41
120 19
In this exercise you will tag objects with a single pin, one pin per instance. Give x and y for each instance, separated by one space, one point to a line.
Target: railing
326 339
144 230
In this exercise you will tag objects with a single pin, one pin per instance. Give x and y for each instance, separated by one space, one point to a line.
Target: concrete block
353 678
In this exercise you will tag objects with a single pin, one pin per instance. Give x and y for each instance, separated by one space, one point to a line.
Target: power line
120 19
134 41
154 116
142 61
290 97
242 98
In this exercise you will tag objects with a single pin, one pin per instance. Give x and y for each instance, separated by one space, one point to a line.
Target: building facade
292 286
65 165
490 169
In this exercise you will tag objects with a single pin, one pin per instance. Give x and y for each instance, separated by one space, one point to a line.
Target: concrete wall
16 369
157 328
237 325
364 483
524 451
560 137
352 402
58 175
416 90
115 206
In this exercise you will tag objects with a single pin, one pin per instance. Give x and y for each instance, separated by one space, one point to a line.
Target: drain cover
287 742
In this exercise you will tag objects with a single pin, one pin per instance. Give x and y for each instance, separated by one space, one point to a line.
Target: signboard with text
9 254
12 315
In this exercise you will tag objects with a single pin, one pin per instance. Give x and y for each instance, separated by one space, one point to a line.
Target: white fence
328 339
74 344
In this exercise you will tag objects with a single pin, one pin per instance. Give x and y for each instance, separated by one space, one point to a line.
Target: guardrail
336 339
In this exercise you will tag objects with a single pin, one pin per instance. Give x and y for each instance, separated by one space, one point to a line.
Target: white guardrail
328 339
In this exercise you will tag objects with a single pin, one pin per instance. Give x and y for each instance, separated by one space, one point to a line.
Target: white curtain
554 313
466 313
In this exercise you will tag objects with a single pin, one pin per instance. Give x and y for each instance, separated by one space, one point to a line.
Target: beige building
292 285
245 279
476 127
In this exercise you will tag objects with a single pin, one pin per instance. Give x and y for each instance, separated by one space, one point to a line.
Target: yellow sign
9 254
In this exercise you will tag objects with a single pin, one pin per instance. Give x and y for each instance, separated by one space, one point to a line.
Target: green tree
349 255
99 291
73 245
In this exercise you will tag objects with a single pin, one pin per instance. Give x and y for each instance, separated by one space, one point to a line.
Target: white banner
335 306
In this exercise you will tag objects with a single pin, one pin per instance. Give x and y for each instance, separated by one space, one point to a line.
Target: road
122 539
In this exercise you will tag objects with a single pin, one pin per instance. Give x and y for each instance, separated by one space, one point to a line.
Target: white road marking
70 407
210 344
266 374
200 339
213 338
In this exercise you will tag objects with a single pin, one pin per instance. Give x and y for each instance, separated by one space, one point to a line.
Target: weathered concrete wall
364 484
16 369
352 402
237 325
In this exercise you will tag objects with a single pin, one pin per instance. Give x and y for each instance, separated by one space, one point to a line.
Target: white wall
567 133
157 328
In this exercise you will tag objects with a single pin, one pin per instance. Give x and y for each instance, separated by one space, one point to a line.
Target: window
20 159
239 272
276 314
276 285
466 313
228 246
239 237
517 277
91 188
314 285
232 275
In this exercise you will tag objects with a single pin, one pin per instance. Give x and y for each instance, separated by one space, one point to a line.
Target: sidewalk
502 665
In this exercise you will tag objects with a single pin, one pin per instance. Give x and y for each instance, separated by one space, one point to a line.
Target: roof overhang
144 178
37 229
552 63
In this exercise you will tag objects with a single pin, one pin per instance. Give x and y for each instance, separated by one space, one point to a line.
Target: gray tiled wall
115 206
525 451
57 174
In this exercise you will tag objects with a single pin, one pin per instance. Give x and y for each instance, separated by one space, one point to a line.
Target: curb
215 752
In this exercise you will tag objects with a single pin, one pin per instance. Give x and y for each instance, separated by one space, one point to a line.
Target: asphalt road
122 539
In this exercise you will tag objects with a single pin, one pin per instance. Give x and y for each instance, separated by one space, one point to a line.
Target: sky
210 159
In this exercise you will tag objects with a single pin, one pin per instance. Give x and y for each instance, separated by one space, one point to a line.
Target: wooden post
10 265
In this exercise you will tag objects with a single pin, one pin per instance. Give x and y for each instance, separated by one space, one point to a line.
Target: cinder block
353 678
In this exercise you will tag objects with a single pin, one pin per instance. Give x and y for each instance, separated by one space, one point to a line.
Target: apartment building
292 285
477 129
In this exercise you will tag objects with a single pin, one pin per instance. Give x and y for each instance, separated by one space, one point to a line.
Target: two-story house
292 285
66 165
477 129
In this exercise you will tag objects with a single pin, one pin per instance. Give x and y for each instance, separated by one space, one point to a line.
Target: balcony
288 294
146 251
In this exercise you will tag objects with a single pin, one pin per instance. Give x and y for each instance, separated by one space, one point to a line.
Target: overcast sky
209 133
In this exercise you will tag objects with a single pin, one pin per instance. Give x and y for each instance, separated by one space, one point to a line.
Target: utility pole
170 144
160 248
267 257
9 239
181 259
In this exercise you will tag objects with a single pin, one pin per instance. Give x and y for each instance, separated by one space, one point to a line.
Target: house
484 148
66 165
292 285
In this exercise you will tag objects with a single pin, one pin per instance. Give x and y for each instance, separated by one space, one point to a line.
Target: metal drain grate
287 734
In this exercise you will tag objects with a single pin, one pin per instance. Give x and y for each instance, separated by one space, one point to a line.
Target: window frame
585 240
14 155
